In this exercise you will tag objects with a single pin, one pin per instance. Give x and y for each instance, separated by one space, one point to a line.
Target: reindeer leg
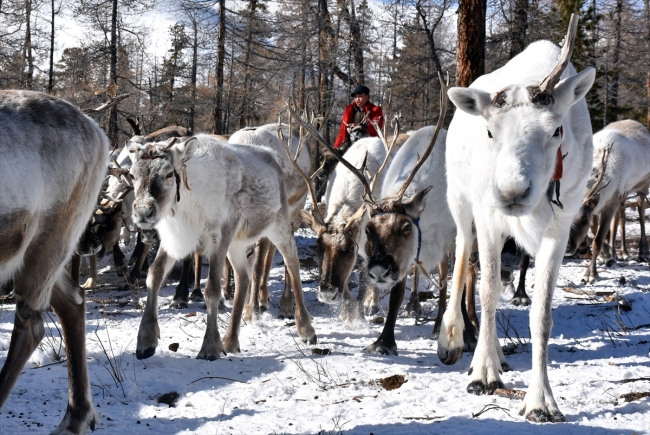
361 292
386 344
286 244
91 282
471 291
450 340
212 347
75 265
252 308
623 254
520 297
149 331
196 295
134 276
486 363
181 295
242 269
644 252
119 259
27 334
228 285
443 270
80 414
413 307
286 301
371 301
591 276
539 404
613 229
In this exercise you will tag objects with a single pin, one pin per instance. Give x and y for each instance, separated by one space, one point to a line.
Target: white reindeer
296 194
52 167
505 147
621 167
230 196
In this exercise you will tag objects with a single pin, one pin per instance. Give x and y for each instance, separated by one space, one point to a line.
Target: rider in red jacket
355 113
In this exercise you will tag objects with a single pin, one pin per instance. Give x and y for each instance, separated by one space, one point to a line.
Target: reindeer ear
186 149
573 89
473 101
415 205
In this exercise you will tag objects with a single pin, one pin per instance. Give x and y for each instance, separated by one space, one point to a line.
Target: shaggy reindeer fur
627 172
339 240
297 193
51 170
502 148
237 196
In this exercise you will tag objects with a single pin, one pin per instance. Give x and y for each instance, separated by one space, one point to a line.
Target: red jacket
374 114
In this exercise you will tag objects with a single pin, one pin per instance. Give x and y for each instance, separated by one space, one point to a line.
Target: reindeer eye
170 175
557 132
406 229
490 134
367 231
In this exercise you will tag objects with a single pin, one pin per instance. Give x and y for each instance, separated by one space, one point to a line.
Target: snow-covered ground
276 385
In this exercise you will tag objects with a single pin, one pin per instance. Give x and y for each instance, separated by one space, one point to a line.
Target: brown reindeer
51 170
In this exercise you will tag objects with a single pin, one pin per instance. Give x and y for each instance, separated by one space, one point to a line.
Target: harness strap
554 185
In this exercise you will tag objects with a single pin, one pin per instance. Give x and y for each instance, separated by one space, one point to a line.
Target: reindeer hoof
520 300
212 352
144 354
179 304
610 262
311 340
541 416
196 296
505 367
451 356
231 346
371 310
382 348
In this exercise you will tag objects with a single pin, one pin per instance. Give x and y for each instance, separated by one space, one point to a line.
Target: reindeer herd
518 162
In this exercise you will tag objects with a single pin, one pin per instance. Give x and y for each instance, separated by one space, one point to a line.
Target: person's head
361 95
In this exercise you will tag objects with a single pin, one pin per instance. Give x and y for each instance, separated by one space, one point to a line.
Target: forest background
217 66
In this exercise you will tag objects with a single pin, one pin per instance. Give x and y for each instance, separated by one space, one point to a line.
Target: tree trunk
429 32
647 64
195 54
28 58
244 106
50 82
470 56
221 56
613 100
519 26
112 113
356 39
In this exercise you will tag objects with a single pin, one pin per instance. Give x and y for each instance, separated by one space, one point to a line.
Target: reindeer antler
420 161
315 212
569 42
595 190
311 130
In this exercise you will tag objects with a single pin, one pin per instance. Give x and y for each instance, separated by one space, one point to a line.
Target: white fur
487 179
628 166
344 193
436 223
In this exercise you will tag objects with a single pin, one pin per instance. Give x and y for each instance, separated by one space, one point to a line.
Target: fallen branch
508 393
583 292
217 377
490 407
627 381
